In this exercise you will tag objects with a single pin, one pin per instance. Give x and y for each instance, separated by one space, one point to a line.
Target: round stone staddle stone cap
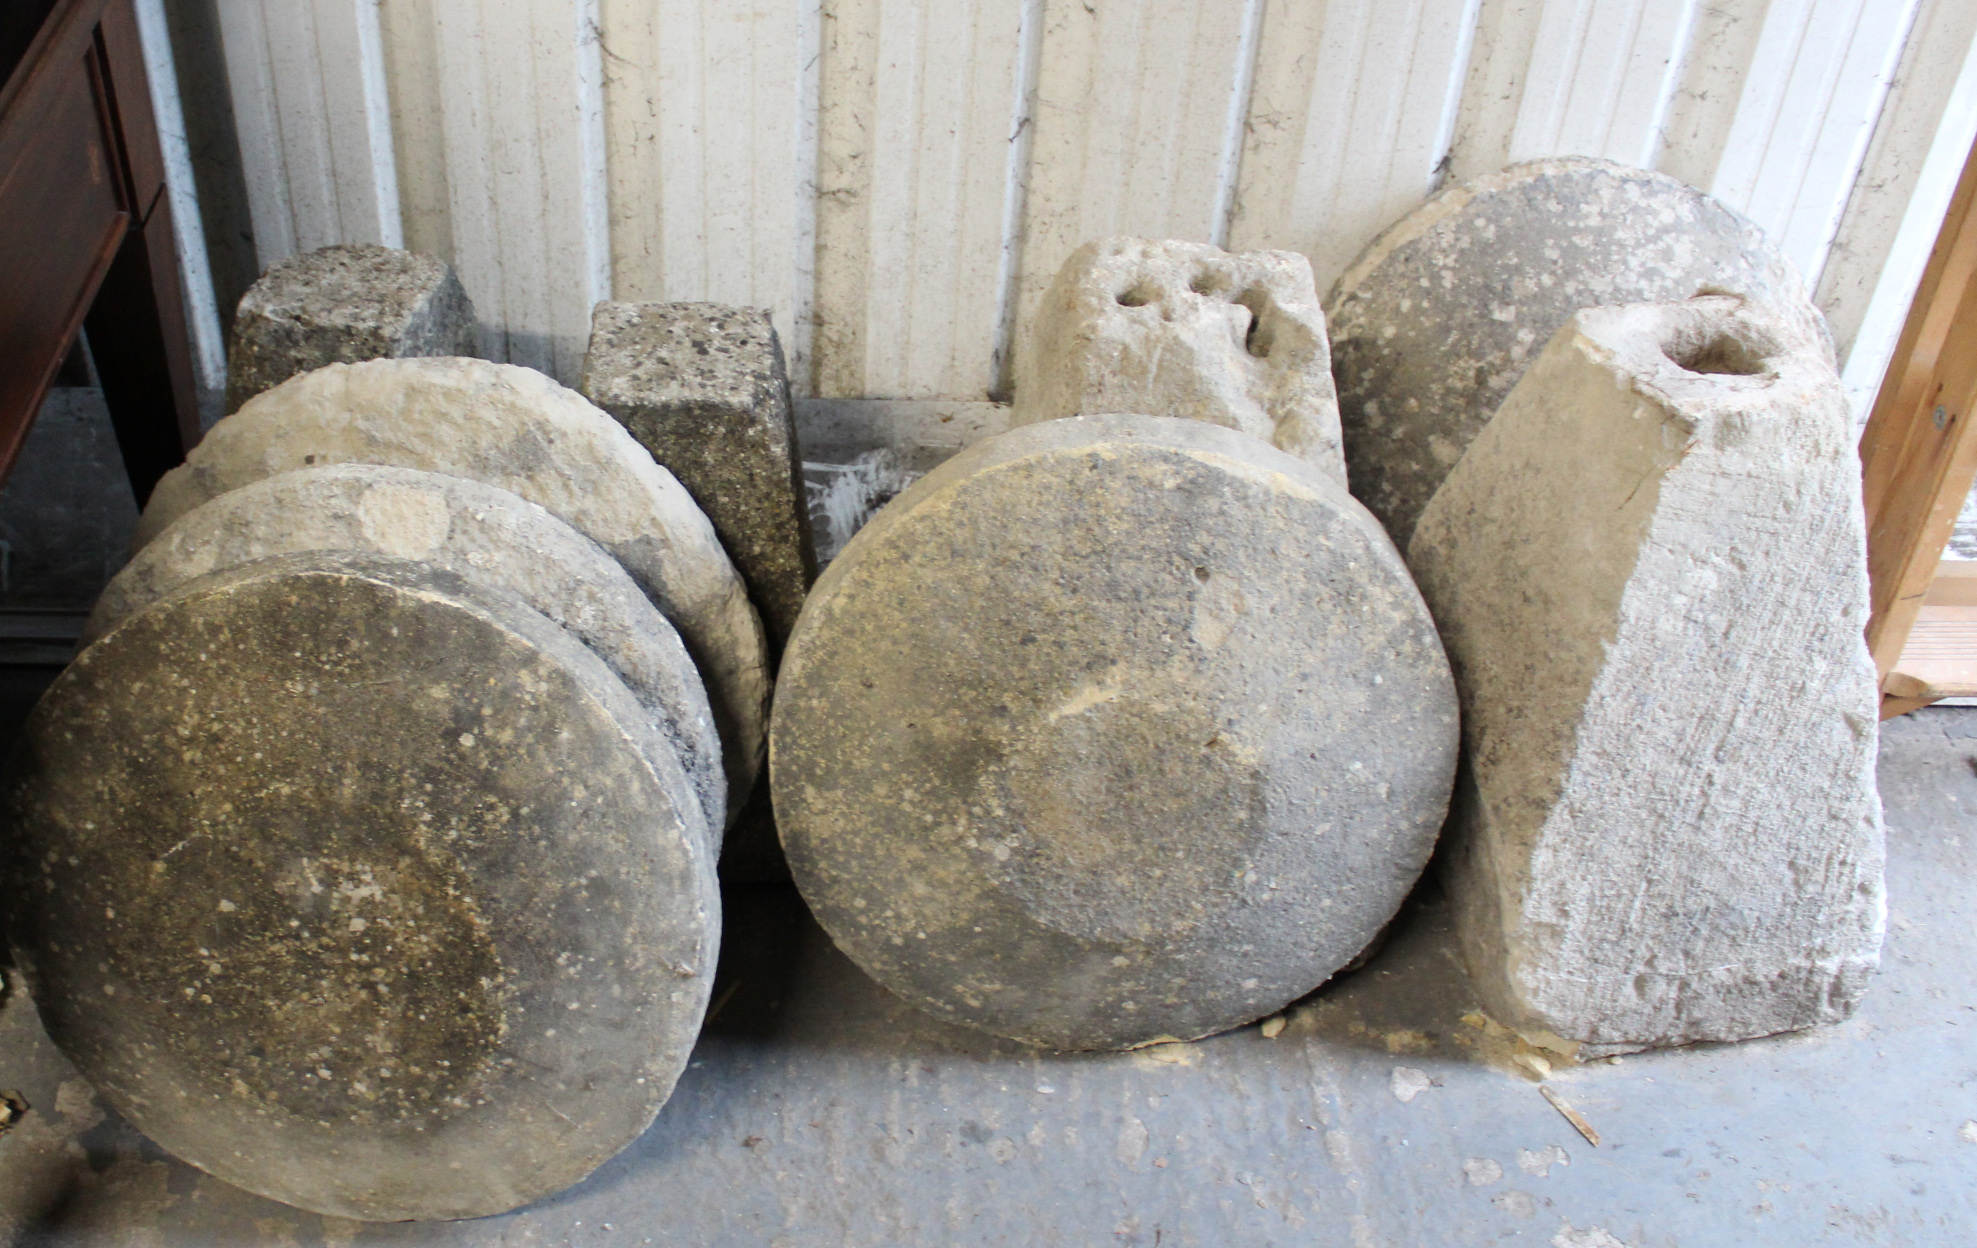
1437 319
344 879
511 427
485 534
1109 729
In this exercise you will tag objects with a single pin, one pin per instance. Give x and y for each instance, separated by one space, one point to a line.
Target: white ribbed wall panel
898 180
1349 119
313 115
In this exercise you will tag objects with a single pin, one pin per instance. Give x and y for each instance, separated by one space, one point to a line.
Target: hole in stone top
1204 283
1262 329
1720 354
1201 574
1138 296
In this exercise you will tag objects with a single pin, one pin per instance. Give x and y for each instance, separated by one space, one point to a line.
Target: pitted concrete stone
482 533
1439 317
1650 571
342 304
350 881
1112 728
1188 330
702 386
516 429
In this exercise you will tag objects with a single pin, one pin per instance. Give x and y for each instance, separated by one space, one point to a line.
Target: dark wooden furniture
86 232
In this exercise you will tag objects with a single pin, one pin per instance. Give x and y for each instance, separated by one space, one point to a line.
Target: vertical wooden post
1919 452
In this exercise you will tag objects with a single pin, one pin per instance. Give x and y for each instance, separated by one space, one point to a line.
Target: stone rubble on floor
1649 569
342 304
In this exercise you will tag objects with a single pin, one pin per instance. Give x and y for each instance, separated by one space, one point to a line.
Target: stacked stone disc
367 851
1118 728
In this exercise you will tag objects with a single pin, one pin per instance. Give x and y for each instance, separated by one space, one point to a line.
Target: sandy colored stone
351 882
1112 728
516 429
1188 330
342 304
1649 569
1438 318
702 386
478 531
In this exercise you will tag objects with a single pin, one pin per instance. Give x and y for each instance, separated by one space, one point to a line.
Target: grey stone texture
1650 572
342 304
1109 729
1189 330
702 386
477 531
351 882
515 429
1438 318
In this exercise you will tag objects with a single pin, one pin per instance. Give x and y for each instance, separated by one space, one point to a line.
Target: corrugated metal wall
899 179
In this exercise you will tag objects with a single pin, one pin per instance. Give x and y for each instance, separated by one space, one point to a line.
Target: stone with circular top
514 428
352 882
1437 319
1110 729
481 532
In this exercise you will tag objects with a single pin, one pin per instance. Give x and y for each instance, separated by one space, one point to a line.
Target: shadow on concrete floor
820 1110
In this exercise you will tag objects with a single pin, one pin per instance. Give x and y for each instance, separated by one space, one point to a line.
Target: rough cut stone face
1650 572
1188 330
1112 728
702 386
341 304
351 882
482 533
1437 320
516 429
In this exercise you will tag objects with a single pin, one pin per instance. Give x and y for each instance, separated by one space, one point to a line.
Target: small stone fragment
1187 330
356 884
342 304
1650 572
1274 1026
477 531
1111 729
515 429
1406 1083
703 388
1439 317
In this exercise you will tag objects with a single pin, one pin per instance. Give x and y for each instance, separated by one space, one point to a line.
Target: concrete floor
818 1110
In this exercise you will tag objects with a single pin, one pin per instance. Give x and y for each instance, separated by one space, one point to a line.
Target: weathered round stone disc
350 881
514 428
481 532
1438 318
1112 728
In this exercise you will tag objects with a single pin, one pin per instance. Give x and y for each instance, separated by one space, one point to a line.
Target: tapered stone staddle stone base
1438 318
349 882
1112 728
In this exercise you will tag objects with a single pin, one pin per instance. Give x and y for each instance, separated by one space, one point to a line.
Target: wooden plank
523 122
1349 119
701 107
1919 453
1132 99
1804 116
1703 109
916 120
